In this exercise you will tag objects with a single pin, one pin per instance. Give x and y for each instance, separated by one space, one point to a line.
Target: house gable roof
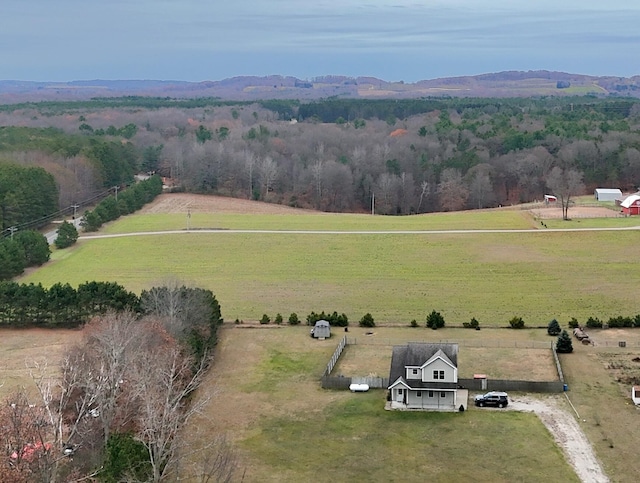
439 355
417 353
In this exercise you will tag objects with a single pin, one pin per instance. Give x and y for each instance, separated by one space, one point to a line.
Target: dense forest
411 156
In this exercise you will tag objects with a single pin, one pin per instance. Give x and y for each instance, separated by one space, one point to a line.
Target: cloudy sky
410 40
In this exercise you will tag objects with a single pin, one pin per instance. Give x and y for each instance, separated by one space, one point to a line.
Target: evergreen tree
367 321
67 235
35 246
564 344
435 320
553 328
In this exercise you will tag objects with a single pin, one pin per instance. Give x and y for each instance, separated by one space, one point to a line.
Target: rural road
567 433
358 232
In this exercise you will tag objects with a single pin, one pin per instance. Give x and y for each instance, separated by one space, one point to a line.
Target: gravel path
567 433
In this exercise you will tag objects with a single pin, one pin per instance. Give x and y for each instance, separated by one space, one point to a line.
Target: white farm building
607 194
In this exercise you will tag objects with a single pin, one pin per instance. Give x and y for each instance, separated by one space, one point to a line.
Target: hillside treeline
26 194
396 156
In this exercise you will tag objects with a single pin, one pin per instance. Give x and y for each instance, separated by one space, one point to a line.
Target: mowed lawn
394 276
266 396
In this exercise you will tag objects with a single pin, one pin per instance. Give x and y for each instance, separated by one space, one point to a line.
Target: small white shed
322 330
607 194
635 395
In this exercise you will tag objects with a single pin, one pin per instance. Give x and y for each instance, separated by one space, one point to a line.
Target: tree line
395 156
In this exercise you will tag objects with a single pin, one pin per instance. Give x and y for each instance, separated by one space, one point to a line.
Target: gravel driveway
566 431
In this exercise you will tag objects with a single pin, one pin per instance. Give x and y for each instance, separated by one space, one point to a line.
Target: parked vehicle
493 398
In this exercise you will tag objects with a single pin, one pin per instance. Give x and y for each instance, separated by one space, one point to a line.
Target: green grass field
396 277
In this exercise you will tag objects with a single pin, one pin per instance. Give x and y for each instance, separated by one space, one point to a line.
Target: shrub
594 323
265 319
553 328
573 323
414 323
636 321
435 320
367 321
334 319
517 323
472 324
564 344
278 319
293 319
620 321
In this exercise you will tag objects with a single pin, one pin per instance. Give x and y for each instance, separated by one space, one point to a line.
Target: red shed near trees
631 205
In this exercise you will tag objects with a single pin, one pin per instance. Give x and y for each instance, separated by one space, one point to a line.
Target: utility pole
116 188
75 207
12 230
373 203
188 218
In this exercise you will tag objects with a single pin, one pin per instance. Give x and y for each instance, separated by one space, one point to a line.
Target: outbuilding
631 205
550 199
322 330
607 194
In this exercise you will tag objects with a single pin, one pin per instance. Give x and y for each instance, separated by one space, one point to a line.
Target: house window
400 392
418 393
430 393
438 374
415 372
443 394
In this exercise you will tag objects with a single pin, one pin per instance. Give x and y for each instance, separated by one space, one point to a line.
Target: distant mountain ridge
248 88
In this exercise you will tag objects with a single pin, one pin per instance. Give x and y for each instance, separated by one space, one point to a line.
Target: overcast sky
410 40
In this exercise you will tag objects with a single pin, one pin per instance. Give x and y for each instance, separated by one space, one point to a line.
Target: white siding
450 373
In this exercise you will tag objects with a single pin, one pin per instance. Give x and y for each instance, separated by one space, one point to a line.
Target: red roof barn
631 205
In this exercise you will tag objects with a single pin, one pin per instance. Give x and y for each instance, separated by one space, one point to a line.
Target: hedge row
128 201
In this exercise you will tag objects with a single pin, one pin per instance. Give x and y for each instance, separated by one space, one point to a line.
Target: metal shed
321 330
607 194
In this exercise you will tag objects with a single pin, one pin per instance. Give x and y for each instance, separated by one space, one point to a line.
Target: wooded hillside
413 155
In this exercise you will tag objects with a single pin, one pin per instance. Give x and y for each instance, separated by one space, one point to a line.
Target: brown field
181 202
19 349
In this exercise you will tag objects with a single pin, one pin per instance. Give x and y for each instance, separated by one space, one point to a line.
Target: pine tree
67 235
553 328
564 344
435 320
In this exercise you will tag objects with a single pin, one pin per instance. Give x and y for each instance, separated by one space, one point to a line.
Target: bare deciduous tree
452 191
565 183
163 388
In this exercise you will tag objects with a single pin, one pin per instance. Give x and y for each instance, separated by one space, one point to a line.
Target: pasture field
266 396
396 277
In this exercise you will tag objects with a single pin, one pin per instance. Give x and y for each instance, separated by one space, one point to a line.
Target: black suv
493 398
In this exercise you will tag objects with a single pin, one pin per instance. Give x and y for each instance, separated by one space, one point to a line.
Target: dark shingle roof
416 354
